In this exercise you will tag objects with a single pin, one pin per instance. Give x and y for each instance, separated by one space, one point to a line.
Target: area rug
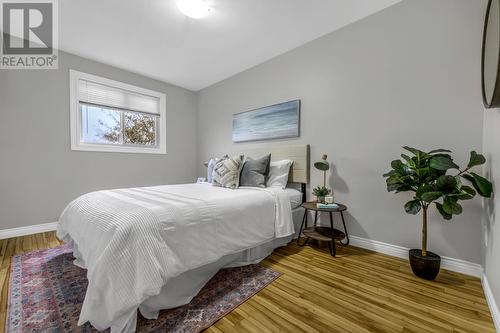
47 291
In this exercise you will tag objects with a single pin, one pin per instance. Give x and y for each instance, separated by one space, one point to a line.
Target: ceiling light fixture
194 8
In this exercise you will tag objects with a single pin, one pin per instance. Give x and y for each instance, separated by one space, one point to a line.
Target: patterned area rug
47 292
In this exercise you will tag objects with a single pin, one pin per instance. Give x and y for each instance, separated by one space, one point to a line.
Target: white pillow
210 169
278 173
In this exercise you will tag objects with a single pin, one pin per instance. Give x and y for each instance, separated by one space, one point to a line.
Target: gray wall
409 75
39 174
491 227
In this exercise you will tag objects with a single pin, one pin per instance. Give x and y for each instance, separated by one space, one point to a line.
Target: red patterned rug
47 292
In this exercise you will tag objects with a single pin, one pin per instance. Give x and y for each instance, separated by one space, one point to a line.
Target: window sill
117 149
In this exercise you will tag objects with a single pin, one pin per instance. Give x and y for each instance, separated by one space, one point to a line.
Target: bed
154 248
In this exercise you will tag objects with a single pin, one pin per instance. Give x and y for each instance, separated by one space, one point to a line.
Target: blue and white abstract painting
270 122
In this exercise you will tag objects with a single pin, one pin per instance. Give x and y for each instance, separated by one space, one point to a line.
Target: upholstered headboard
299 154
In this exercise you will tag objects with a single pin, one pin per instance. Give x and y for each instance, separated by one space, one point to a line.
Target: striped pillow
227 172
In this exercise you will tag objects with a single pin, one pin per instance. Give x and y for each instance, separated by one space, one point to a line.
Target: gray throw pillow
254 172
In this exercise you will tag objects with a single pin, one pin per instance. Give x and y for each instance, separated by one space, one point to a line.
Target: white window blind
100 94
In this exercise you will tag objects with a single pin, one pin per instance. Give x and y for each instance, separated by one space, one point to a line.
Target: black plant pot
424 267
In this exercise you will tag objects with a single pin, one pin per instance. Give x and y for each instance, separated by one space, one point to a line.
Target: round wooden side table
325 234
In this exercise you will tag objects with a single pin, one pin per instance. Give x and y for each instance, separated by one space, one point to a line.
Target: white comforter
132 241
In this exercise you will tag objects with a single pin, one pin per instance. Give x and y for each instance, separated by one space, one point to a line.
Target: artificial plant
426 174
321 191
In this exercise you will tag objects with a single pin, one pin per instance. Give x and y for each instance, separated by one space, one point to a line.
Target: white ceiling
151 37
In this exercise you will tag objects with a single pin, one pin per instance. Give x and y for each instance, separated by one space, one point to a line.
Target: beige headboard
299 154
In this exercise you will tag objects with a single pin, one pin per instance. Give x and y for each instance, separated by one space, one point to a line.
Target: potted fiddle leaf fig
436 180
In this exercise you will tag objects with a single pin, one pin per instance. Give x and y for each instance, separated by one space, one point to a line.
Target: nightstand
325 234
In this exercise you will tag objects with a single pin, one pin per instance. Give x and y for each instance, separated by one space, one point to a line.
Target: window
112 116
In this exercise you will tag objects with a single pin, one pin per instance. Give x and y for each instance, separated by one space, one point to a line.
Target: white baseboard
29 230
456 265
495 312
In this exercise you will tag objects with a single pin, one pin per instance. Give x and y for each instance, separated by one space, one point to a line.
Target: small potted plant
426 175
321 192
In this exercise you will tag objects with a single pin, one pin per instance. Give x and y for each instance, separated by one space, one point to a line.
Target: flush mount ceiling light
194 8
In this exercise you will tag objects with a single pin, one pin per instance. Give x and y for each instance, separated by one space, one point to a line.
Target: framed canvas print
270 122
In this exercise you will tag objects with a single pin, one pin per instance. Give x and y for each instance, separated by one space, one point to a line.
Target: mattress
295 197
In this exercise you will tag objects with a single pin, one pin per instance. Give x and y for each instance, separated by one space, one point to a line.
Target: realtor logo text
29 38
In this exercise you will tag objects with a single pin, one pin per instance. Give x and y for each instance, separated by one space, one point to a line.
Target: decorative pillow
210 164
227 172
278 173
254 172
210 169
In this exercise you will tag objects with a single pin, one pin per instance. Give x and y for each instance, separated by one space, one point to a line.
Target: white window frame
75 119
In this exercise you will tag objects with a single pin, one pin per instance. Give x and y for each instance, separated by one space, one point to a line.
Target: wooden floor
359 291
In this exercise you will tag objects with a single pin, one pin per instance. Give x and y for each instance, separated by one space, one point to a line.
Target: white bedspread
132 241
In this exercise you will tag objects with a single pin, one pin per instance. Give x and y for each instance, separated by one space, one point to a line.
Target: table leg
304 220
345 231
333 249
330 247
315 217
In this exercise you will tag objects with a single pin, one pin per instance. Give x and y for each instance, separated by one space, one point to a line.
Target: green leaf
446 183
466 193
431 196
436 173
419 155
413 207
393 187
442 163
407 158
440 209
390 173
462 196
469 190
422 189
414 151
398 166
393 180
423 172
472 180
482 185
450 206
475 159
404 188
439 151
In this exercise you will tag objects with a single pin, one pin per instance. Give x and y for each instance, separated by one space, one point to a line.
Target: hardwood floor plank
284 312
356 294
359 291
